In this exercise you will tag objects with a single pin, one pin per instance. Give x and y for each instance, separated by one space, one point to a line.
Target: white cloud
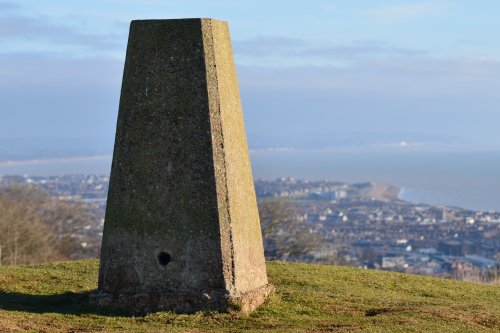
421 78
262 46
41 31
6 6
400 13
285 52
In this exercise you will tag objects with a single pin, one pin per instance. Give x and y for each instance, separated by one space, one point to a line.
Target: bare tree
69 220
36 228
24 238
286 236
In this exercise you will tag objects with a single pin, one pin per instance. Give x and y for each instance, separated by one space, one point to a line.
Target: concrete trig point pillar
182 228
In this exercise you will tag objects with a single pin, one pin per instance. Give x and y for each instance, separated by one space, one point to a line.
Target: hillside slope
308 298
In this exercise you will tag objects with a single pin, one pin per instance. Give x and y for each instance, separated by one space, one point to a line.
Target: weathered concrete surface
182 229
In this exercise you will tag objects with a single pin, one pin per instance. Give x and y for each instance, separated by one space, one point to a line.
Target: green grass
308 298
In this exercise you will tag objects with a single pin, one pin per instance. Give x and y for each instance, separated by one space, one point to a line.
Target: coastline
469 182
13 163
95 164
436 198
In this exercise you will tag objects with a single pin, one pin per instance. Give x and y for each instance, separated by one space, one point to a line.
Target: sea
466 179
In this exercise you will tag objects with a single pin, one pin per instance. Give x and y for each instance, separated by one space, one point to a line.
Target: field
308 298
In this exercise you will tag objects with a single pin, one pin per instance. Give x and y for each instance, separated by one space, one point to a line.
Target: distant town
362 225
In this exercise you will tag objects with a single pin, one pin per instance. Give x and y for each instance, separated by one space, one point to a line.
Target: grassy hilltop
308 298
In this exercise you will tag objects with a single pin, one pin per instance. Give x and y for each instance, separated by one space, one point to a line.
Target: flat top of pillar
146 21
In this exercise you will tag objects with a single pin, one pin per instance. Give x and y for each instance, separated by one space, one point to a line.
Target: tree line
37 228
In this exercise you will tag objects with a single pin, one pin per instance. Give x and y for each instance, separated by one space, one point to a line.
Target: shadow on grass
66 303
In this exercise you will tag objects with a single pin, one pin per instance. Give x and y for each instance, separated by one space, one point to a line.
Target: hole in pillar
164 258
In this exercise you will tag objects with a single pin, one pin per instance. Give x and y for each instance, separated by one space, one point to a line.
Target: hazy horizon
401 86
311 75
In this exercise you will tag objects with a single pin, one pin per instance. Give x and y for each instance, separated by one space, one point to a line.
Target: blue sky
312 73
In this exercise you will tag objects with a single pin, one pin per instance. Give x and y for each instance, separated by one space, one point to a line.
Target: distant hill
308 298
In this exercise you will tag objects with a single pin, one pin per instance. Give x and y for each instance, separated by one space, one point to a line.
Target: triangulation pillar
182 229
